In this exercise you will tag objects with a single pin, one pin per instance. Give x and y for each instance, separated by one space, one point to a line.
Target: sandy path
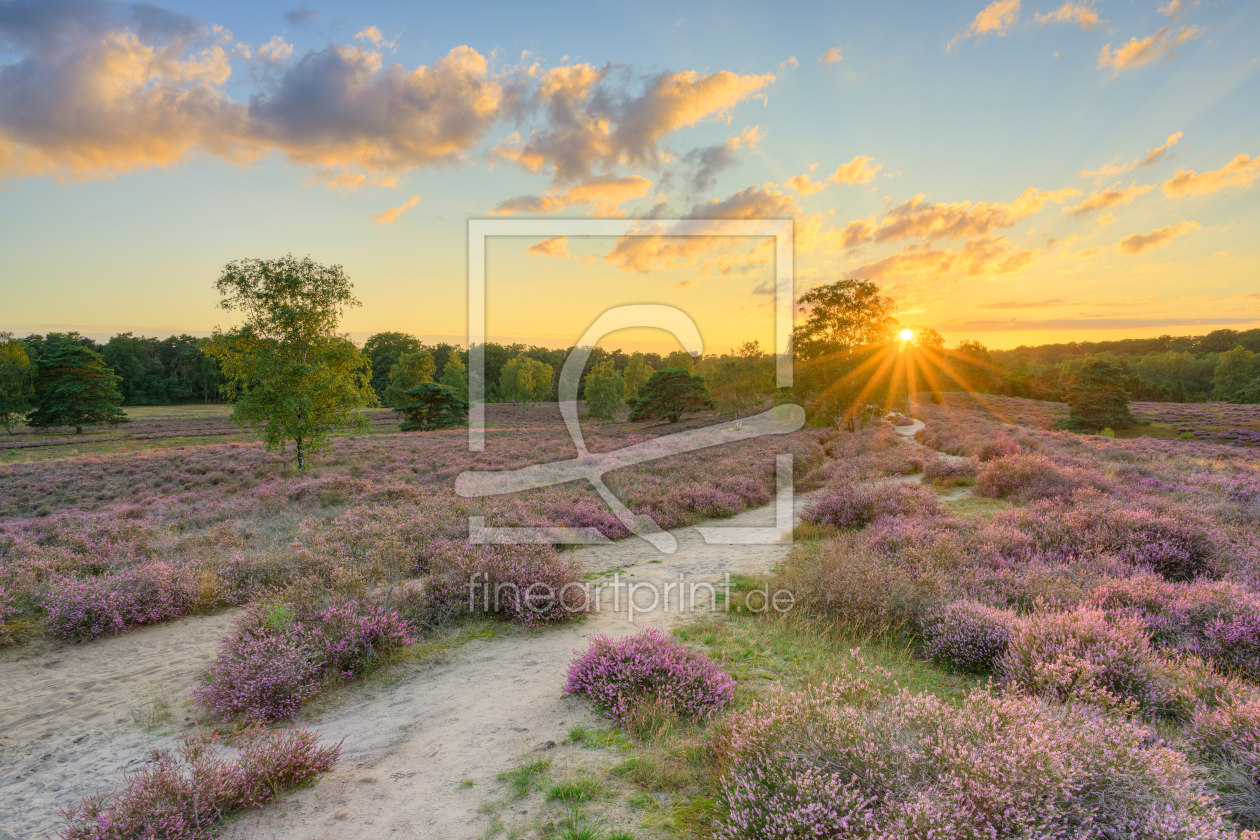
66 729
65 716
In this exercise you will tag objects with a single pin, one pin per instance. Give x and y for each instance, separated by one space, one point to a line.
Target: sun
906 335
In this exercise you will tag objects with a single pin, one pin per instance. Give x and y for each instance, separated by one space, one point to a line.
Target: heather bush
1234 641
649 668
998 446
528 585
847 761
855 505
280 653
1026 478
1227 735
7 611
1078 654
82 609
968 636
951 471
180 795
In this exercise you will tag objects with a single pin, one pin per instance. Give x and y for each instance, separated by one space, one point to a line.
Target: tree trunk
78 430
300 463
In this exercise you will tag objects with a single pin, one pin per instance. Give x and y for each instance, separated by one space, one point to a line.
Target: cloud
1141 242
1173 9
606 193
957 220
995 18
300 15
833 56
1239 172
790 63
97 89
856 171
706 162
1152 157
1017 304
980 256
1090 252
592 123
1107 198
644 252
388 217
556 246
1137 53
276 51
1083 16
348 181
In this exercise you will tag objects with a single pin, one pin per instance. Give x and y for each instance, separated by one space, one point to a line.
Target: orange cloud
995 18
957 220
556 246
605 193
1140 242
1174 8
1239 172
644 252
388 217
348 181
1137 53
1152 157
856 171
831 56
1107 198
1083 16
982 256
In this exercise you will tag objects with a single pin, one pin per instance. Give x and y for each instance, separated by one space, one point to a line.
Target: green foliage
738 379
603 391
1233 373
411 370
1098 399
433 406
73 387
383 350
525 380
287 369
17 381
681 359
636 373
455 375
668 394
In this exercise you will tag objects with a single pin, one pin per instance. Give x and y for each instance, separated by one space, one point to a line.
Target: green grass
522 780
582 787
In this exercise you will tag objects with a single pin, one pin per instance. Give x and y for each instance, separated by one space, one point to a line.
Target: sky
1018 173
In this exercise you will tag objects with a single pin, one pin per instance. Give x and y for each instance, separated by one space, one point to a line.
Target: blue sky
142 147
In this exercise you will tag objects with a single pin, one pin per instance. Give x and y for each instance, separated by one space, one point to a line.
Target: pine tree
433 406
73 387
668 394
1098 399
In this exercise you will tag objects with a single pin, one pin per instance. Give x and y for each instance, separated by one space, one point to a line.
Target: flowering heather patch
968 636
1026 478
526 584
82 609
947 471
844 761
999 446
854 505
278 655
1234 641
620 675
182 794
1075 654
7 610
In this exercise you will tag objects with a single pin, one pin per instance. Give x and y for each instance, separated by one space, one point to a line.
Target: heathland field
981 627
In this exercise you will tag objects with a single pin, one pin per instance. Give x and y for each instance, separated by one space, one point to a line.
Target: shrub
525 584
620 675
182 794
844 761
855 505
1234 641
87 608
1079 654
7 610
948 471
968 636
1228 735
998 446
279 653
1026 478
